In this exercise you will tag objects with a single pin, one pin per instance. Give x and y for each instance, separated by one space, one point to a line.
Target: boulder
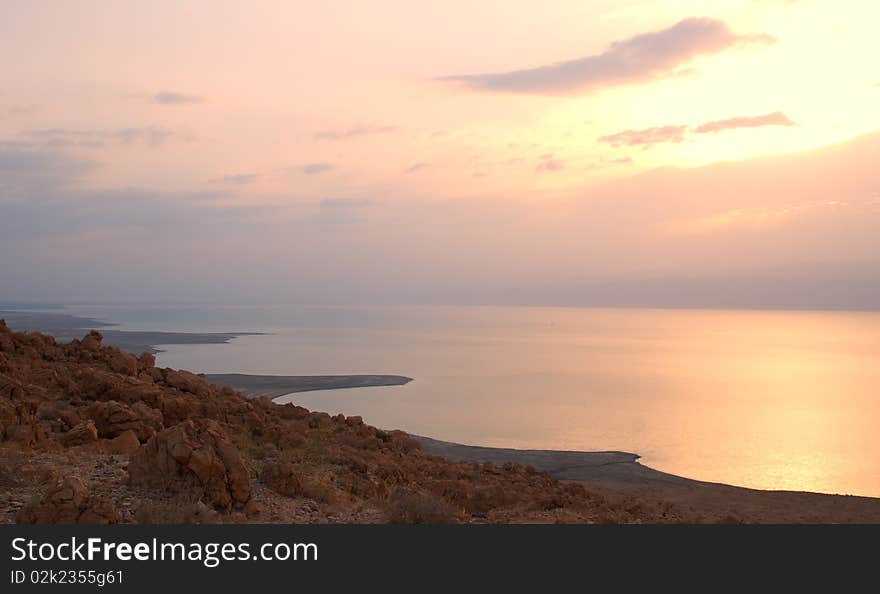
92 341
84 432
124 363
186 381
67 501
195 456
125 443
146 361
114 418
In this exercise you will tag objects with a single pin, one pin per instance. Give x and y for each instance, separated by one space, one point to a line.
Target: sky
601 152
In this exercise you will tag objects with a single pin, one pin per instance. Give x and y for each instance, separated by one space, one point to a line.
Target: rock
186 381
146 361
124 363
194 456
92 341
85 432
125 443
113 418
67 501
283 478
100 510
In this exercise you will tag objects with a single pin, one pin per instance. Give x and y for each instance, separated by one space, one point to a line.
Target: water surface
776 400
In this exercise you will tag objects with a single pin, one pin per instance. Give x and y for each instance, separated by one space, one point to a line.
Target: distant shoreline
66 327
275 386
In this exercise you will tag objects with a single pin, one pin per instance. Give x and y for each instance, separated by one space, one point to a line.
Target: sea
785 400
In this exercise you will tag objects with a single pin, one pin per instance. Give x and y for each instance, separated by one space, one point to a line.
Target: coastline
66 327
275 386
617 476
622 480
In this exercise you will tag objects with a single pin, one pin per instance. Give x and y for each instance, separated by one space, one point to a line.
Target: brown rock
84 432
124 363
194 456
113 418
67 501
125 443
92 341
186 381
146 361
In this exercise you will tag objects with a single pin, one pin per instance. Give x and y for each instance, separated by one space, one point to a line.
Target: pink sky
454 152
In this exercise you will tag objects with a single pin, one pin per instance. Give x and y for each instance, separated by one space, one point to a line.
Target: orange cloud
646 137
771 119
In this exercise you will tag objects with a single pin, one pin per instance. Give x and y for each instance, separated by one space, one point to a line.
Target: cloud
415 168
238 179
65 137
316 168
173 98
645 57
549 164
646 137
771 119
651 136
353 132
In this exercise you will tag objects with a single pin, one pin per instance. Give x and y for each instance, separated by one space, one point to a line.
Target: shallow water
776 400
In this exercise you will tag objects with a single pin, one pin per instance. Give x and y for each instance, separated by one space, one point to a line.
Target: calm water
779 400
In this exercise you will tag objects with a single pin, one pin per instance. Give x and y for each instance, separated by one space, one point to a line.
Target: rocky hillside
93 434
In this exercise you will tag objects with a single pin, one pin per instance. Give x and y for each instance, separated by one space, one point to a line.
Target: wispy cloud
66 137
646 137
771 119
650 136
645 57
316 168
239 179
415 168
353 132
174 98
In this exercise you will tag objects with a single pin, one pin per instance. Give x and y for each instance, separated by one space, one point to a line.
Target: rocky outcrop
125 443
196 456
113 418
67 501
83 433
